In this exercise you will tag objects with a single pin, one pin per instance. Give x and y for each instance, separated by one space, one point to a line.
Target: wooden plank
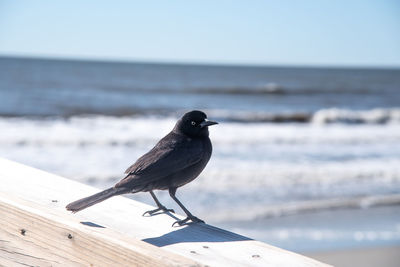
36 235
111 232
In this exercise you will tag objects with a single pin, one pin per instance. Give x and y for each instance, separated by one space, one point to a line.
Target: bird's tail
94 199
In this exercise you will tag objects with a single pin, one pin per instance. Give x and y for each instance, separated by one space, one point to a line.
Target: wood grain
36 230
33 235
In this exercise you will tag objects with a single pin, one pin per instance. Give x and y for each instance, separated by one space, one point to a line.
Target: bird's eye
193 123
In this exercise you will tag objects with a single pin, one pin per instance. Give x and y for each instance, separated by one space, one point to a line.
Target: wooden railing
36 230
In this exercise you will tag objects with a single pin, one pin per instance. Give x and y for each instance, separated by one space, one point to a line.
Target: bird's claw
185 221
151 212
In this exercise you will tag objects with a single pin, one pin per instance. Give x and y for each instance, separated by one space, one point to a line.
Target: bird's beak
207 123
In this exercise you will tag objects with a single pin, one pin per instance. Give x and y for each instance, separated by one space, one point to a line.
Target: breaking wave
323 116
261 212
374 116
253 164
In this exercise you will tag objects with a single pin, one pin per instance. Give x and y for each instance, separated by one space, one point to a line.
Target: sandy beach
370 257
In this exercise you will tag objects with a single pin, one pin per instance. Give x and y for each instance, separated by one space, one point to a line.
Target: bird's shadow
189 232
91 224
195 232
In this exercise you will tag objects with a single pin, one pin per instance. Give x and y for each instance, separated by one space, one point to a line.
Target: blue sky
320 32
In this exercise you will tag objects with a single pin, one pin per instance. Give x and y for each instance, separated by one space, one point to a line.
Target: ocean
296 148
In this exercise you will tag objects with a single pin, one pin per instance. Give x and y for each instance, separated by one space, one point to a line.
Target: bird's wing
167 157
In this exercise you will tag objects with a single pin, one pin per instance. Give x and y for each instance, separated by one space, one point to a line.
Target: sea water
291 141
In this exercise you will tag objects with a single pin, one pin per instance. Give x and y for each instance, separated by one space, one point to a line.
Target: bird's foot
162 208
186 221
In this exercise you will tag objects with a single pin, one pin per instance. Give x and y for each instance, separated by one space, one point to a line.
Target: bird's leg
190 217
159 205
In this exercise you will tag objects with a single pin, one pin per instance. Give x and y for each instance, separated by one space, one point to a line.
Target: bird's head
194 123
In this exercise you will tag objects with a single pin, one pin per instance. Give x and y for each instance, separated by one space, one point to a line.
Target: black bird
176 160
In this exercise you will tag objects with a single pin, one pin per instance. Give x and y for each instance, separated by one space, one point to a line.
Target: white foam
252 163
325 235
378 115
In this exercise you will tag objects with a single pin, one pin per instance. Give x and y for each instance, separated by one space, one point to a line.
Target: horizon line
193 62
